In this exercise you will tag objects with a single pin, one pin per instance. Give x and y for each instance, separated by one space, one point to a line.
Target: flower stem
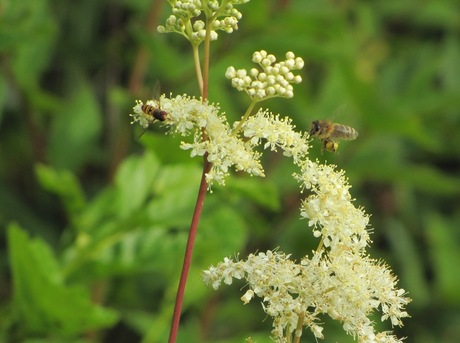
245 117
298 331
207 49
203 79
196 59
189 251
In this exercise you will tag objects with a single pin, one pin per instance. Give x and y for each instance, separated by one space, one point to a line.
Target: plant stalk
188 252
203 79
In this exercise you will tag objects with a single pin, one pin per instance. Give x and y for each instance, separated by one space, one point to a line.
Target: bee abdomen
344 132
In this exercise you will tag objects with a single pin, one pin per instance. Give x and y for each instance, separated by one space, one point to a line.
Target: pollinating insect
153 108
155 112
149 112
328 133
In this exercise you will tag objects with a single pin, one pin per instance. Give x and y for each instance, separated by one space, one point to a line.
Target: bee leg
330 145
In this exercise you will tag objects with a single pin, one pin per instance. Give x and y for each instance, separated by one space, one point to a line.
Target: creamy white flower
211 133
346 286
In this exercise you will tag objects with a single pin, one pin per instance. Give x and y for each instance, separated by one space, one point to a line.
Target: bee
328 132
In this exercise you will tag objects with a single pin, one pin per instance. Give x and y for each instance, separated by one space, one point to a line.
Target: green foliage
43 303
93 232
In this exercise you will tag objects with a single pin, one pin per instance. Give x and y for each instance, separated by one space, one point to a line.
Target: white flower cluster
345 286
330 209
214 136
275 79
339 279
211 134
184 19
277 133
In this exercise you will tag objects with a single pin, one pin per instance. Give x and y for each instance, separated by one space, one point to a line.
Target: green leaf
259 190
175 189
444 240
409 260
223 232
30 30
44 303
64 184
75 129
134 181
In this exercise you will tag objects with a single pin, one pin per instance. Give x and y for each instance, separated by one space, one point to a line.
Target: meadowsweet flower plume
339 279
211 134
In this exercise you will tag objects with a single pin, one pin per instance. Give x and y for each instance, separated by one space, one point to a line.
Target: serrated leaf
64 184
44 303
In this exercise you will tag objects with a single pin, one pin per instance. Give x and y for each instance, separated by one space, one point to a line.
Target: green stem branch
244 118
196 59
207 50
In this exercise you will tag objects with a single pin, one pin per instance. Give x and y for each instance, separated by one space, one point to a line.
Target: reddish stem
189 251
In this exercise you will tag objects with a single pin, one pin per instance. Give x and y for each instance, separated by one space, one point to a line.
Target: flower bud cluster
274 80
186 21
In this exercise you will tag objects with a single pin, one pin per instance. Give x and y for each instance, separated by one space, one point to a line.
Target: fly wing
156 91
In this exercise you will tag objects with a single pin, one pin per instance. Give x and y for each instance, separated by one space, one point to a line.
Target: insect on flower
152 110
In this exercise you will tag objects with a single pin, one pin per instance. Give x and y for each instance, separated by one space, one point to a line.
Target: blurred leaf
409 261
450 67
31 52
44 303
260 191
134 182
3 97
176 189
75 129
444 240
388 167
65 185
222 232
166 147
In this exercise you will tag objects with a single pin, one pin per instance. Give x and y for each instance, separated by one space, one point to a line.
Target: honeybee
328 132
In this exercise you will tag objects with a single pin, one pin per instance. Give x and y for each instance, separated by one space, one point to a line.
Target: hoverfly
152 109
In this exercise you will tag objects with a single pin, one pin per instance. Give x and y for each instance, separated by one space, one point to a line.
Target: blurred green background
93 220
